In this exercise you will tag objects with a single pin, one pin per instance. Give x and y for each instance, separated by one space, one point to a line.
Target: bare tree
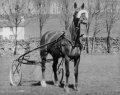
66 13
98 22
92 14
111 16
14 11
42 10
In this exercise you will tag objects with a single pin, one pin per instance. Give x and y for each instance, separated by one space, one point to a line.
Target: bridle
77 30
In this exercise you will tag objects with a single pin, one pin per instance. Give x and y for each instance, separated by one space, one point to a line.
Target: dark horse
69 49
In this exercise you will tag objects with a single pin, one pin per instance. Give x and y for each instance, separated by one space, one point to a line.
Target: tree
98 22
14 11
111 16
66 13
92 14
42 10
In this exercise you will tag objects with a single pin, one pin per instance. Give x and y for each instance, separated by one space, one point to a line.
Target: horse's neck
72 32
77 37
68 36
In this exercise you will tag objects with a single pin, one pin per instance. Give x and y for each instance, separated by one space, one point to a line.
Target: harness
57 46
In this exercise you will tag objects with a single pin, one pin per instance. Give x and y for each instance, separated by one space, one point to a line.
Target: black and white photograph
59 47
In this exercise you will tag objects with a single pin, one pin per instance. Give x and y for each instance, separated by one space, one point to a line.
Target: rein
53 42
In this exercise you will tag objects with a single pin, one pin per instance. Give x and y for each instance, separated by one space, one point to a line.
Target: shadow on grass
35 83
50 82
30 83
38 83
71 86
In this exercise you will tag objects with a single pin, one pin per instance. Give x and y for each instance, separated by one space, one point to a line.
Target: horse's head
80 15
83 18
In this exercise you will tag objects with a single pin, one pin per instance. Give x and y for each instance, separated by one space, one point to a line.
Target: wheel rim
15 74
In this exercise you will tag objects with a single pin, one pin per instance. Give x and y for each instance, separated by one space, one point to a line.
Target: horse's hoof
76 88
43 83
67 90
56 83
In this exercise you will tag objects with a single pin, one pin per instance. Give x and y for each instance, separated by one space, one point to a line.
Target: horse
68 48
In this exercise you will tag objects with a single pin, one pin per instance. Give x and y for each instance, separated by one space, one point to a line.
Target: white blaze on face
81 12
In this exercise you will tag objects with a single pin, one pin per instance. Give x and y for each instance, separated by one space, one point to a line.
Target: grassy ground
98 75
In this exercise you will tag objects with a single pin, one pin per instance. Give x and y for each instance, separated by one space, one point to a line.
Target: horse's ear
75 5
82 6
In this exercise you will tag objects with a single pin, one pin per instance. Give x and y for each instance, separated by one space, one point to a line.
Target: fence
100 45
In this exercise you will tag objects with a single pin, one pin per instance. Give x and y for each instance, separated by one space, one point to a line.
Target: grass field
98 75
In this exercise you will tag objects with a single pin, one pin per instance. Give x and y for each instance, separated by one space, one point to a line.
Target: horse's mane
72 31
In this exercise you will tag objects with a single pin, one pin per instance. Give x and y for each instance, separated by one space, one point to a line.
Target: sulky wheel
15 73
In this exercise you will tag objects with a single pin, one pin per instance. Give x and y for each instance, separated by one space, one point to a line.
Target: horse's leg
67 73
76 65
54 66
43 83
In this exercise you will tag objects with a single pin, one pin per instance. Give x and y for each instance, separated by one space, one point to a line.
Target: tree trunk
108 43
87 45
40 34
40 27
15 50
93 43
87 39
94 34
